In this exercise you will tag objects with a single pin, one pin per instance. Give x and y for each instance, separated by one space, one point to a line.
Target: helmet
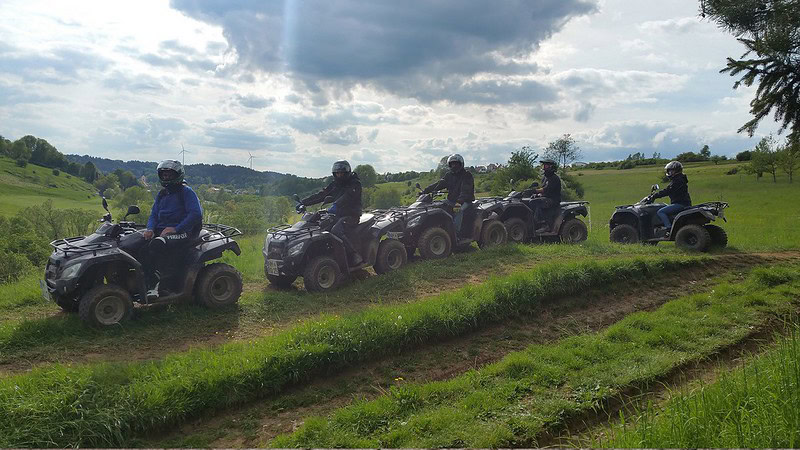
455 158
342 168
672 168
551 165
170 172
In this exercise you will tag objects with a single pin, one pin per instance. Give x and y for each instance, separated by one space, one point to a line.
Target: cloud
682 25
546 113
347 136
56 66
136 83
17 95
253 101
232 138
316 121
610 87
372 135
427 50
584 112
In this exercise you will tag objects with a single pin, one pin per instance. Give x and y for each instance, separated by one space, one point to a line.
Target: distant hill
236 176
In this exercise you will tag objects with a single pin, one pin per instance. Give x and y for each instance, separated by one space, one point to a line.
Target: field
521 345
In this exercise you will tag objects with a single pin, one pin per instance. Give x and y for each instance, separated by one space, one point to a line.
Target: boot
355 259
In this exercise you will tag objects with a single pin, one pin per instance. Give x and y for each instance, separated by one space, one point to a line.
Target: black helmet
673 168
343 169
458 160
170 172
550 165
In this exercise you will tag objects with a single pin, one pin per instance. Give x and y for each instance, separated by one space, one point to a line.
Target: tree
89 172
564 150
716 159
522 164
126 178
789 158
19 150
367 175
769 31
765 158
705 152
744 156
109 181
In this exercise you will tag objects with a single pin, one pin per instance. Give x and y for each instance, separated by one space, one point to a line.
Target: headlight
266 241
71 271
296 249
414 221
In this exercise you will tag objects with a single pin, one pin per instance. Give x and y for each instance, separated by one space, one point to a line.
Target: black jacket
551 188
460 186
347 197
678 191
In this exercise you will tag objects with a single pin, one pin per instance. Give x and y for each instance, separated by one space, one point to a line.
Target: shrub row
510 403
104 404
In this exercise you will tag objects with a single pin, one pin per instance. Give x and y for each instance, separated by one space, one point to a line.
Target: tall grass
755 406
103 404
510 403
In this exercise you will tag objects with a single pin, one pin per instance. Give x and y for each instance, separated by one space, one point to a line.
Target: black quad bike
427 225
308 249
101 275
564 223
691 228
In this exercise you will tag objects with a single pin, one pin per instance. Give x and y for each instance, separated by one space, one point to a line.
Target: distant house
482 169
579 164
492 167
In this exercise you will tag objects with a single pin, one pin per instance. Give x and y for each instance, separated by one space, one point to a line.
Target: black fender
98 264
436 218
213 250
625 217
517 210
691 216
326 243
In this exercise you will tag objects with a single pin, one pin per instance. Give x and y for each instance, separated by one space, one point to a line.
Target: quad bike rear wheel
218 285
391 256
573 231
105 305
624 234
435 243
693 238
493 234
719 238
517 230
281 281
322 274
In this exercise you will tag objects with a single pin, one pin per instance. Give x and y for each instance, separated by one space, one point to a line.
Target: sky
298 84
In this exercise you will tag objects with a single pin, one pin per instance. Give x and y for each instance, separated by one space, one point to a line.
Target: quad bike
101 275
691 228
564 223
308 249
427 225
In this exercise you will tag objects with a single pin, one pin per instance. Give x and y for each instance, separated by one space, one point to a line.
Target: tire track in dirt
592 311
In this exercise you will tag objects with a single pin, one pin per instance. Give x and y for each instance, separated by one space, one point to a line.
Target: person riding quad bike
678 192
175 221
548 197
460 187
346 192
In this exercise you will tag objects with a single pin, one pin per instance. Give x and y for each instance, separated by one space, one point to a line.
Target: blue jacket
176 207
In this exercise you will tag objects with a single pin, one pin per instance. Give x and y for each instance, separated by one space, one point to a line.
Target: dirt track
254 425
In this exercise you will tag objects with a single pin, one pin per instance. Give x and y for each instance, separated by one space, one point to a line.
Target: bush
732 171
56 172
22 163
625 165
14 266
387 198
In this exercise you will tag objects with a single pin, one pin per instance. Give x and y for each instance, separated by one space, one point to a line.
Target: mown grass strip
509 403
103 404
754 406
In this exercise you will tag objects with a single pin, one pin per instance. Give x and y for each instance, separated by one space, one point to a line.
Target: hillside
21 187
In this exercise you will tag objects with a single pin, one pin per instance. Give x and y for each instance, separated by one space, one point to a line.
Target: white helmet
455 157
672 168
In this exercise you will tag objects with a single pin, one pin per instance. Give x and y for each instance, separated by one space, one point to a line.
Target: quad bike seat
366 221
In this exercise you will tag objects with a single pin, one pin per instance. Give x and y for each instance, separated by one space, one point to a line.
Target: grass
510 403
105 404
755 406
32 330
21 187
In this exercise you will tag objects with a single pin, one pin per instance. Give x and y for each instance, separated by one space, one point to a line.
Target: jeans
467 210
670 210
165 253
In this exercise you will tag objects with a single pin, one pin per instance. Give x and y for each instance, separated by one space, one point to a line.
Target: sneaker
356 260
152 294
544 229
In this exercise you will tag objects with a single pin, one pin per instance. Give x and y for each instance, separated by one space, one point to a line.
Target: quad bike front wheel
391 256
322 274
624 234
719 238
493 234
105 305
218 285
435 243
517 230
693 238
573 231
67 304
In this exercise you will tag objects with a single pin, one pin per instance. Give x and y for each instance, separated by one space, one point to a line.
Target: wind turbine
183 153
250 160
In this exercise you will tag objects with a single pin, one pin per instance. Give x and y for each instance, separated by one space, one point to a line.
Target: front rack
68 245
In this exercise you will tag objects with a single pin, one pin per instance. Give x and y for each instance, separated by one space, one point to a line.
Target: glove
332 209
299 207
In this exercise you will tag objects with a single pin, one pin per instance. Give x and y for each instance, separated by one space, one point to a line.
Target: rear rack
219 232
68 245
717 205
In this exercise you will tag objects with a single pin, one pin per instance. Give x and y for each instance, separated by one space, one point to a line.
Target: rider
549 195
176 219
346 192
460 187
678 192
